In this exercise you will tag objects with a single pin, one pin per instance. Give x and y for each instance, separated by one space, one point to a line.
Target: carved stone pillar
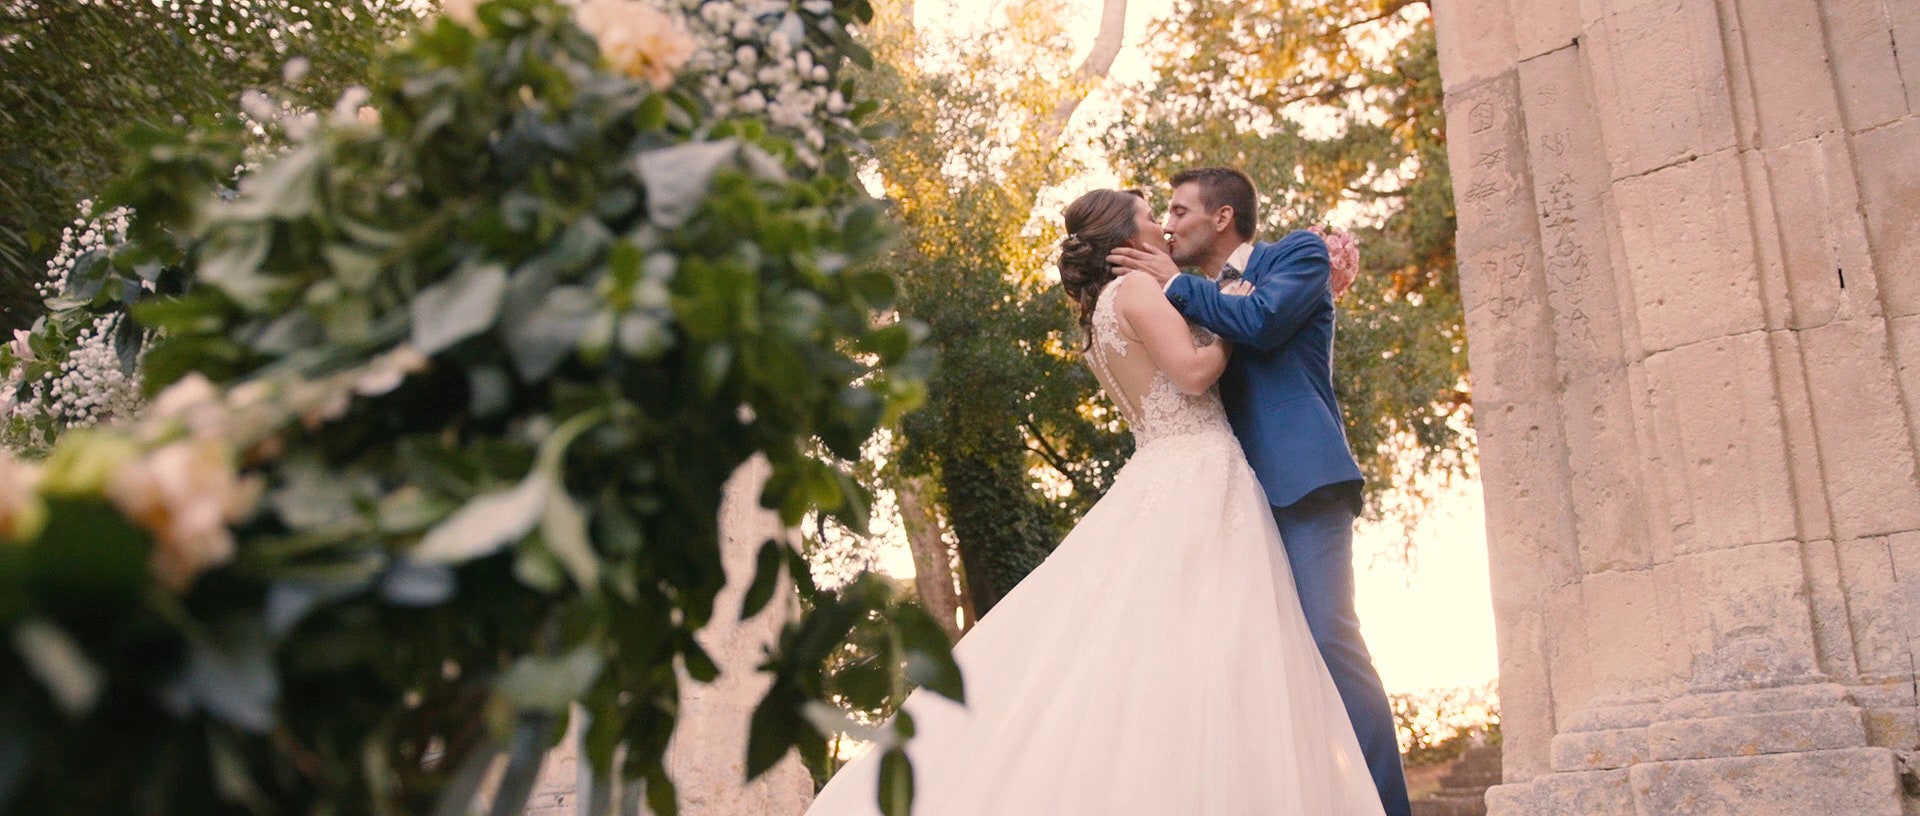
1689 263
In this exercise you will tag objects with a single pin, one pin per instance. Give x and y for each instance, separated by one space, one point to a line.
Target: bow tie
1229 273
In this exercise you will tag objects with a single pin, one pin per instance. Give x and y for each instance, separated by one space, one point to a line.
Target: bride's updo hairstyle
1097 224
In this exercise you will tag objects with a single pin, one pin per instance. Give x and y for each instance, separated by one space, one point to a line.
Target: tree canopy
79 73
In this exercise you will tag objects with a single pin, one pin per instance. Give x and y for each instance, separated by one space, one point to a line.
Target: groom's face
1189 226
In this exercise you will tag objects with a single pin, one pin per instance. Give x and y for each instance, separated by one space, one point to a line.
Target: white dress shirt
1238 260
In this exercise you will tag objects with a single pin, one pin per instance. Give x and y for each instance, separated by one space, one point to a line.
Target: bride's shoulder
1137 286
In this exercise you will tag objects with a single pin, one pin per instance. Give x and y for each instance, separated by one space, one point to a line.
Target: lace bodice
1158 410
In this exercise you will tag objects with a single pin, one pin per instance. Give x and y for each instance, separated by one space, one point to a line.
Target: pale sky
1428 624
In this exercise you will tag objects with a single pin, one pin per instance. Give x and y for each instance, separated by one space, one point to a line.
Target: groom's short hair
1224 187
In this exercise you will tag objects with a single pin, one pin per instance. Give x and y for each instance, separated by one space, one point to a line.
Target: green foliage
77 73
1331 104
490 360
1439 725
1006 402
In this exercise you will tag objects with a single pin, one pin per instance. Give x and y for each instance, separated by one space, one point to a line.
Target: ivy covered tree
78 73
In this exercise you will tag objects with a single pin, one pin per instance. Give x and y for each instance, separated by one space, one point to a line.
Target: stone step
1445 805
1470 779
1463 789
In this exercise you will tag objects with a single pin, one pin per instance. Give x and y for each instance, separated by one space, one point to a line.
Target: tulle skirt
1157 663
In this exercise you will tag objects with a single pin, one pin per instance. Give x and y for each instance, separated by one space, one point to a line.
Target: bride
1158 662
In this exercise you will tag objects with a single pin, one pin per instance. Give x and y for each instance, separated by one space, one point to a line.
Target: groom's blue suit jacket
1278 386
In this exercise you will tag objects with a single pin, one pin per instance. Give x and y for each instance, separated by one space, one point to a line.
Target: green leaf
766 576
547 336
643 335
774 727
58 662
409 583
287 188
896 783
550 683
457 308
663 799
234 678
929 655
232 263
409 510
485 524
677 178
563 529
188 314
699 664
354 269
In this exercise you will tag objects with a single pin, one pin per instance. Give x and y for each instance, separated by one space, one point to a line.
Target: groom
1278 390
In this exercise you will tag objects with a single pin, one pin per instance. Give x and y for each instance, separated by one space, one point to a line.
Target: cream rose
22 512
637 39
185 494
464 12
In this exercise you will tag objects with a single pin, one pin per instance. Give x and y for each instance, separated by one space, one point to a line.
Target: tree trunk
1106 47
932 558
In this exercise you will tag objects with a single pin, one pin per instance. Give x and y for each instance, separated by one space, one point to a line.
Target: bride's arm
1169 342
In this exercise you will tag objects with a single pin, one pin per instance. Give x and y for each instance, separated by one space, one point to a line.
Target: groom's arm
1281 302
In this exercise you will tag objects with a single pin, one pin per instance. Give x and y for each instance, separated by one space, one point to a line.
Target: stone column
708 756
1688 250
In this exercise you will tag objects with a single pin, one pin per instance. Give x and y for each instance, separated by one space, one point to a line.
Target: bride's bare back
1155 367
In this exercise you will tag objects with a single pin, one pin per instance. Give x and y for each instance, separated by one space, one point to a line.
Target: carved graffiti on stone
1557 210
1485 192
1565 257
1481 116
1555 144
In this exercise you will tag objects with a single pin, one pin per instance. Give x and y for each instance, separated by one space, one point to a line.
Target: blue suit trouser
1318 534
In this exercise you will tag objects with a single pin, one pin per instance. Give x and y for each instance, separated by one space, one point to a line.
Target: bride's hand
1239 287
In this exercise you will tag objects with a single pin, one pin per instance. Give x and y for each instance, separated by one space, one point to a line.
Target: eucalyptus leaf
546 337
234 678
286 187
550 683
232 263
457 308
57 661
409 583
563 529
485 524
354 268
677 178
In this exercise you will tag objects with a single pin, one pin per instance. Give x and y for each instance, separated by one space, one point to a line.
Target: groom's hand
1153 261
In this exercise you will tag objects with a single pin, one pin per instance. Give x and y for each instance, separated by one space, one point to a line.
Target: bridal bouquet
1343 250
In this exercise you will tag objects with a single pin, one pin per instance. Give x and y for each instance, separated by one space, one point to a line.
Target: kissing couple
1191 647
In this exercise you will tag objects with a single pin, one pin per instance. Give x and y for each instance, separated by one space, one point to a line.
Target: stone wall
1689 253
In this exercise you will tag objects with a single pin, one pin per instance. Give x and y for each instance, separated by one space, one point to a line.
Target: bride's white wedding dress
1156 663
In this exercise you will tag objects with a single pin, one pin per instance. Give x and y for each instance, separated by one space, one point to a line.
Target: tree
1334 107
977 126
78 73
